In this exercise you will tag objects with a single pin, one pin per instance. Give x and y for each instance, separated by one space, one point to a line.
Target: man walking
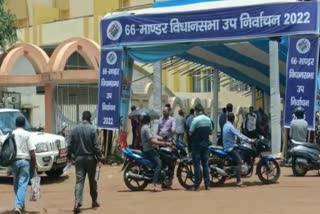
24 166
201 128
84 147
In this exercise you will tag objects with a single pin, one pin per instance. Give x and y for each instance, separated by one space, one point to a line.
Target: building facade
48 23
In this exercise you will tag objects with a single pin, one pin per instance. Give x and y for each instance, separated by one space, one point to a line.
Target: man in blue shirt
200 129
229 144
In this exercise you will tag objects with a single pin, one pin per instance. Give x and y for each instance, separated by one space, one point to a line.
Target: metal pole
275 105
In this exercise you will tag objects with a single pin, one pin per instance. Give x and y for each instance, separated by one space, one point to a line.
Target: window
196 82
201 82
206 80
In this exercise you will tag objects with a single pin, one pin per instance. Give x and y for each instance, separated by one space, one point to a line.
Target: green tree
8 27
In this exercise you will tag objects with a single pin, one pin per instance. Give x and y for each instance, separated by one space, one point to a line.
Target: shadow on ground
27 212
45 180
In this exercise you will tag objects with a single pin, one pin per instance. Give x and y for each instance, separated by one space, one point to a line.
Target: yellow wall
102 7
64 8
83 9
43 14
54 33
32 3
133 3
259 101
20 9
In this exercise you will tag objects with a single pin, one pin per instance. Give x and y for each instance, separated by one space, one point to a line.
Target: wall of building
77 9
49 22
29 97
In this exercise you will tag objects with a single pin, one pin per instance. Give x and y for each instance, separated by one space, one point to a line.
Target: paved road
291 195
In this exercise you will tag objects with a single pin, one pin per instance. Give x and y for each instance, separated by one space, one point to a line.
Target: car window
8 121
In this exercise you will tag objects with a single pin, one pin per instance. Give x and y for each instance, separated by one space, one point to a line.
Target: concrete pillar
253 97
275 105
157 92
215 108
266 103
49 110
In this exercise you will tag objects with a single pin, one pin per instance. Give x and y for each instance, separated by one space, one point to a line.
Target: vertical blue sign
109 89
302 67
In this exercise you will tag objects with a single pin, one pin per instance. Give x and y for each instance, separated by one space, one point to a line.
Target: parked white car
51 149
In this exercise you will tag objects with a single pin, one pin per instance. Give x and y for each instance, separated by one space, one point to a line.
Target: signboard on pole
302 68
109 89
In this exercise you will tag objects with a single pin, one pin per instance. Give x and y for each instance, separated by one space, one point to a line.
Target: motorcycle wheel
185 175
298 169
270 176
131 183
215 178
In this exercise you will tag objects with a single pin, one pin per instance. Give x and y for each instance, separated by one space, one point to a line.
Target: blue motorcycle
222 165
138 171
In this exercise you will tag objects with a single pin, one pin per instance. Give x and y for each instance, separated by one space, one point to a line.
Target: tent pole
275 104
157 92
215 87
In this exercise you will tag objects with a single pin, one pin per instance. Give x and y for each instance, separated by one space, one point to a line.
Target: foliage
8 27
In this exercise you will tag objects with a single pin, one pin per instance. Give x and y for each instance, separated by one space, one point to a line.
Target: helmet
299 112
145 118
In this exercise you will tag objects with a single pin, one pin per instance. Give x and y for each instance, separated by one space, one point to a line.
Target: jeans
180 137
154 157
84 165
21 177
238 162
200 153
134 135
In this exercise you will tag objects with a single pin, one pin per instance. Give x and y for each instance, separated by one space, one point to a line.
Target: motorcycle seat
309 145
297 142
216 147
139 152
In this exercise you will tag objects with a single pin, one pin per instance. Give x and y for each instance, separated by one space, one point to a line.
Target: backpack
8 151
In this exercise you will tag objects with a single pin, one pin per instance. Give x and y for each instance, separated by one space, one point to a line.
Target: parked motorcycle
138 171
222 164
305 157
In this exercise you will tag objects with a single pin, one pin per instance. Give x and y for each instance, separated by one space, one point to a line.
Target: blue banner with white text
302 68
109 89
247 22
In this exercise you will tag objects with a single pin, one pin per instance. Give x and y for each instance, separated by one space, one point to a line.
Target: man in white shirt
251 123
299 126
24 165
180 123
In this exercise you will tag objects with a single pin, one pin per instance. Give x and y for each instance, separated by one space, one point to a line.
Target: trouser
21 177
134 135
180 136
200 154
238 162
85 165
154 157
